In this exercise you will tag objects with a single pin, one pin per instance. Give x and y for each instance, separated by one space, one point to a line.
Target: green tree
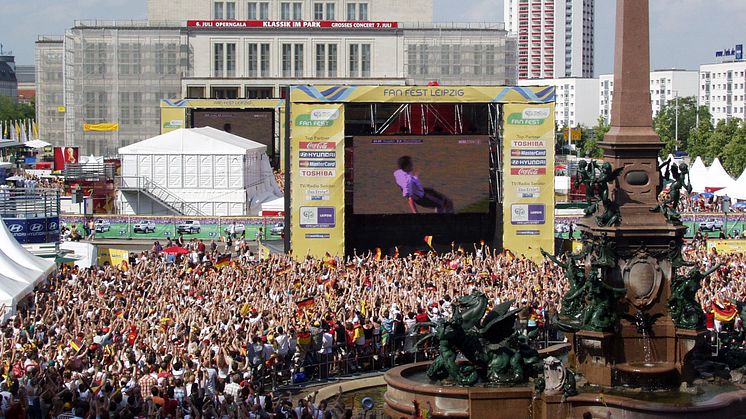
725 131
699 136
12 110
735 150
664 123
590 143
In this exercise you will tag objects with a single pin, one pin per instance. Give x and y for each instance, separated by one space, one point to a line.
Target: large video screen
256 125
421 174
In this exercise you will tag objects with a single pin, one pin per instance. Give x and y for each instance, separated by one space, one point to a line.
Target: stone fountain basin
647 375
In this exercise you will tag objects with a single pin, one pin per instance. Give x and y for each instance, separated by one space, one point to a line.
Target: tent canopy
36 144
194 141
737 190
717 177
698 175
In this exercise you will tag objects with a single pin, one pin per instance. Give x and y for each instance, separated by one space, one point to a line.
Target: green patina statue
612 215
599 314
587 177
571 307
606 250
686 312
669 205
495 352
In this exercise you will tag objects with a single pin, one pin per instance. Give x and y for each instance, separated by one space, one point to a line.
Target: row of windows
722 98
289 10
292 60
132 105
707 74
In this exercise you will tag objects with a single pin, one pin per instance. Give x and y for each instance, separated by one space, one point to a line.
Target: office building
117 72
722 87
576 102
26 77
50 98
665 86
8 81
555 37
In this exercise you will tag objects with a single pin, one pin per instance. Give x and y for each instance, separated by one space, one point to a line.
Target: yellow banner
101 127
528 179
317 179
172 119
424 94
115 257
727 246
223 103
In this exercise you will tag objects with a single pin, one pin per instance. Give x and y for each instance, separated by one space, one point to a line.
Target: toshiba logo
528 171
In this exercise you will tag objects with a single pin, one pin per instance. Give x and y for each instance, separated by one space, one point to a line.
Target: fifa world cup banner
317 179
528 179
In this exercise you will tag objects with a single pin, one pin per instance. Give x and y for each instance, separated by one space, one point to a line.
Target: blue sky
684 33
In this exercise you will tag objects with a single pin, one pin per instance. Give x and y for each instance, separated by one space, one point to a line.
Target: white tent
218 173
737 190
717 177
36 144
698 175
274 206
20 271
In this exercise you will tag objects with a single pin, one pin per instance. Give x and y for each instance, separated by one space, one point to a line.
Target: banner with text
528 179
317 179
424 94
727 246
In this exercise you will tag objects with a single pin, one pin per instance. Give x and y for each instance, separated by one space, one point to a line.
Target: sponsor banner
172 119
317 180
727 246
529 182
289 24
106 126
429 94
34 230
114 257
64 156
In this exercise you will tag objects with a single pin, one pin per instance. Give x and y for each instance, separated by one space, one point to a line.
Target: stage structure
385 166
259 120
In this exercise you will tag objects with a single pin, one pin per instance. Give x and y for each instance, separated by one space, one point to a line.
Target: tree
700 135
664 123
10 110
735 151
590 145
725 131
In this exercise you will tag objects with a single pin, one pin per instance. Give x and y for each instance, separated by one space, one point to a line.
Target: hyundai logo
52 226
37 227
15 228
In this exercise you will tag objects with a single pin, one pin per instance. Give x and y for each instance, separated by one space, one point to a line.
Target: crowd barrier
162 227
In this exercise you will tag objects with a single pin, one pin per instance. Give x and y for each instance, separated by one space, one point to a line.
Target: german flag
429 241
223 261
481 243
330 261
396 252
378 253
119 313
76 344
305 303
725 312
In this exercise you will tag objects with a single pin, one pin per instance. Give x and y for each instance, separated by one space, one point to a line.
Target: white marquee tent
737 190
217 172
20 271
698 175
717 177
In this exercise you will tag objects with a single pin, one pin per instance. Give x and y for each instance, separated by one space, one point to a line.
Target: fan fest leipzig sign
289 24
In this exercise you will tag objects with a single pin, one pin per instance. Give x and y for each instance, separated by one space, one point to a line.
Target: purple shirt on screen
410 185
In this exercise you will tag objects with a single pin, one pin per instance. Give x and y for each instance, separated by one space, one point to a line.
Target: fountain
630 315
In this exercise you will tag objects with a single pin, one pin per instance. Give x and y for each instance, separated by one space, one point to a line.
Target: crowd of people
204 336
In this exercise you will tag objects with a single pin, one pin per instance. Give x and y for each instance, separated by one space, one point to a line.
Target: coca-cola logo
318 145
528 171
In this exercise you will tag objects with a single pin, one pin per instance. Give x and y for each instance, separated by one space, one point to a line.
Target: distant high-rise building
555 37
26 76
8 81
722 88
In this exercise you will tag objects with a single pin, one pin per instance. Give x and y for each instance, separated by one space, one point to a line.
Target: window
351 11
298 11
284 11
218 10
230 10
258 56
264 10
195 92
224 10
287 60
330 12
359 60
224 60
331 60
318 11
259 92
224 93
166 58
251 11
320 60
363 9
298 61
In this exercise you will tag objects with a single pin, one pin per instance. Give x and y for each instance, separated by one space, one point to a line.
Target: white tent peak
182 141
717 177
698 164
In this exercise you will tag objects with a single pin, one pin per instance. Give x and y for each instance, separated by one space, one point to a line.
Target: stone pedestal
594 356
686 342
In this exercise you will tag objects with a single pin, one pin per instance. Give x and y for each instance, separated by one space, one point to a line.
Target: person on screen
415 193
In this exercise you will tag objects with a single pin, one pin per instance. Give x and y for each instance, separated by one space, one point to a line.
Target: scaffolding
50 111
116 73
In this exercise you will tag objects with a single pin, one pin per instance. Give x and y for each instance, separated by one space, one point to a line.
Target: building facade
26 77
50 97
575 104
722 88
555 37
117 72
665 86
8 81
